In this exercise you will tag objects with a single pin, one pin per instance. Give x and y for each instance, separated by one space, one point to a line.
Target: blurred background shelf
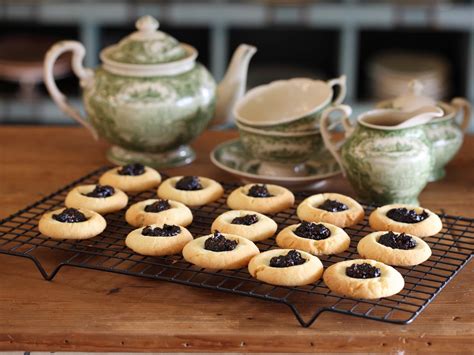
319 39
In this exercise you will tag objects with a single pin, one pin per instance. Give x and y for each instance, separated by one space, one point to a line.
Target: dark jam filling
363 271
166 231
189 183
311 230
219 243
101 191
70 215
259 191
132 169
158 206
246 220
291 259
405 215
333 206
397 241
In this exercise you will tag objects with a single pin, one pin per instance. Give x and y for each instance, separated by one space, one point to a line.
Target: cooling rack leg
35 261
305 324
54 272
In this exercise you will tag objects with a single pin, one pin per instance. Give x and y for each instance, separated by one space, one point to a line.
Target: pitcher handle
326 133
84 74
463 105
341 82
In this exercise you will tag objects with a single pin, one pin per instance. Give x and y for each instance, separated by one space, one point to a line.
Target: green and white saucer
231 156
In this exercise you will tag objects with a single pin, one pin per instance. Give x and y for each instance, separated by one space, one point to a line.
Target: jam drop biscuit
261 198
248 224
393 248
157 211
314 238
71 223
191 190
158 240
413 220
363 278
131 178
220 251
286 267
99 198
337 209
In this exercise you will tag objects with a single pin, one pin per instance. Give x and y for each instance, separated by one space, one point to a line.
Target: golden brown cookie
157 211
264 198
388 282
381 219
131 178
337 209
296 275
233 252
71 223
158 240
314 238
98 198
394 248
201 191
248 224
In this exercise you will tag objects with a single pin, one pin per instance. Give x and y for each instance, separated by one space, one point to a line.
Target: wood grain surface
96 311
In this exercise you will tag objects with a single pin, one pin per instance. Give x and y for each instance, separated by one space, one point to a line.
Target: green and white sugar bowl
445 133
149 98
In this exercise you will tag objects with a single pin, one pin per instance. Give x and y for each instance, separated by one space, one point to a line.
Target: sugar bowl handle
341 82
85 75
463 105
326 126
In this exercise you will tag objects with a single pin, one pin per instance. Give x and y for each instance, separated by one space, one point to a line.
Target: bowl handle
341 81
326 126
464 105
85 75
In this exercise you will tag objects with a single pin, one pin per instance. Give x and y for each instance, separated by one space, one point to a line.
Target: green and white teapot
150 97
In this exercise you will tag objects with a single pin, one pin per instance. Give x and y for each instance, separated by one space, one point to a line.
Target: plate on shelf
231 156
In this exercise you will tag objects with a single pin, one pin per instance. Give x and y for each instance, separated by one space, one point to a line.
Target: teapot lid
147 45
413 99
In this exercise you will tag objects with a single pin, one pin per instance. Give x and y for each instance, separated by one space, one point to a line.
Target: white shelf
246 13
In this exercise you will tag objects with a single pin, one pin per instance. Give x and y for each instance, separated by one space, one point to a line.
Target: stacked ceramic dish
279 127
391 72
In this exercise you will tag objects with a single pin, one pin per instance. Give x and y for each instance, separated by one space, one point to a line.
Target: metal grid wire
452 248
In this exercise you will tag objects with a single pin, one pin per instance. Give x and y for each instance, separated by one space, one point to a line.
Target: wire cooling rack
452 248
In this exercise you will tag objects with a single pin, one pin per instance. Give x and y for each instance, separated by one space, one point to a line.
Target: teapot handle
341 81
84 74
464 105
333 147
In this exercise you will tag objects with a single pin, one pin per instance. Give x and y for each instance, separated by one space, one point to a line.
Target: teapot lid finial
147 45
147 24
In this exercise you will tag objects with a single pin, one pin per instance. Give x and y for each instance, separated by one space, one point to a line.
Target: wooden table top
95 311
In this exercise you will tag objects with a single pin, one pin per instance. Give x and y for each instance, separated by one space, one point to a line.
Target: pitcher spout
232 87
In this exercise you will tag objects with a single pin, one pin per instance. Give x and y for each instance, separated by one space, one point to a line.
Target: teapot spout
232 87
